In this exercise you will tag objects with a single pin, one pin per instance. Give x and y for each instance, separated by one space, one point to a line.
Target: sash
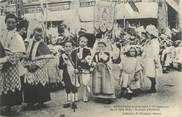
71 70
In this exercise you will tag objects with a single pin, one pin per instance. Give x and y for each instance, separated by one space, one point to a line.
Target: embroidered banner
104 16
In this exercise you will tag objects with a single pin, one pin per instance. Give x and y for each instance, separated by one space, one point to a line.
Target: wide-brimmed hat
152 30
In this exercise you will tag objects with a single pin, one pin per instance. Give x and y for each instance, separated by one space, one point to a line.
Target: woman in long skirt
36 89
13 48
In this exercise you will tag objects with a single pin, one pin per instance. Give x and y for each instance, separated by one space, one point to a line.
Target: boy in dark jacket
81 57
70 78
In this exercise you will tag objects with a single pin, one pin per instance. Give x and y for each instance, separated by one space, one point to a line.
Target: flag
133 5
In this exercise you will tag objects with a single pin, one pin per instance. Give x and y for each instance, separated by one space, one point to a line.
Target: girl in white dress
130 73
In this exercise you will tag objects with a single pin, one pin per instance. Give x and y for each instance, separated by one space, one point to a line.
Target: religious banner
104 16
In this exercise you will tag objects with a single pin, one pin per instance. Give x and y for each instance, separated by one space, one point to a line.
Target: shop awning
146 10
173 4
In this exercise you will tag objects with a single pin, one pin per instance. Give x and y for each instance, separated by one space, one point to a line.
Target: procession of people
31 66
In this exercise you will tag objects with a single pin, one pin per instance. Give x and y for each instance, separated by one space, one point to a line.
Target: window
87 3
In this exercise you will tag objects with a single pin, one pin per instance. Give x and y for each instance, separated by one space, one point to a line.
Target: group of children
92 72
171 56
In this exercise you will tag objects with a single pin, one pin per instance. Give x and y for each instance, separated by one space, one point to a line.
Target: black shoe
14 113
123 92
74 105
153 90
28 107
41 106
137 92
9 112
4 112
107 101
67 105
119 95
164 71
128 96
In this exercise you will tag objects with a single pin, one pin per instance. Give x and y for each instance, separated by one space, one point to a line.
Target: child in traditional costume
13 48
102 80
167 57
130 74
36 79
82 57
54 73
70 78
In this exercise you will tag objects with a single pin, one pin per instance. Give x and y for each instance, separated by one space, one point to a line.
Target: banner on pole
104 16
